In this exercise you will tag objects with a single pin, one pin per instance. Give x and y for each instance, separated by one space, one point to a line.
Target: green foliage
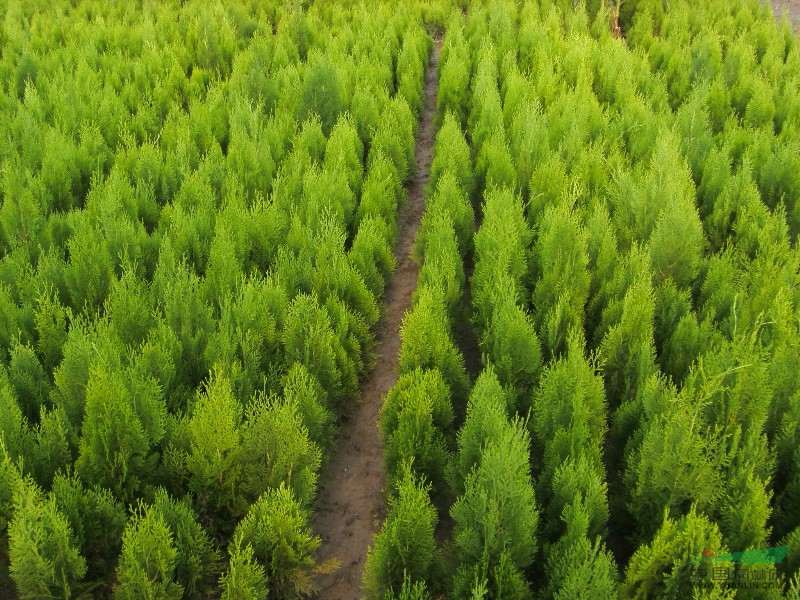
511 346
196 560
177 292
486 112
451 153
668 567
486 421
149 558
277 530
568 415
494 165
676 465
45 559
577 567
449 199
11 479
676 245
496 517
29 381
628 349
394 136
548 185
97 520
130 308
577 506
52 320
411 68
442 267
214 443
415 421
454 76
427 342
89 271
483 580
322 91
410 590
404 552
245 578
72 374
344 153
125 421
501 248
275 449
560 257
371 254
381 193
249 158
302 391
199 211
310 340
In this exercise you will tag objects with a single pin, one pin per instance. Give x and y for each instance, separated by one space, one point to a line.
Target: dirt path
351 499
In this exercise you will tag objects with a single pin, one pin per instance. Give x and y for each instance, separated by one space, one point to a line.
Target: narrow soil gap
351 502
464 332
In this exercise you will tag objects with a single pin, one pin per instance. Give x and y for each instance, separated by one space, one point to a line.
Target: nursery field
487 299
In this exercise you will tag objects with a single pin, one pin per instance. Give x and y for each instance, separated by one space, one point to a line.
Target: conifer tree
501 247
496 517
51 321
449 199
196 560
454 76
302 391
404 551
381 193
576 566
275 449
15 431
669 566
276 528
547 186
27 377
213 452
97 520
677 464
245 578
568 413
628 349
415 418
452 153
125 420
494 165
309 339
322 91
44 556
371 255
486 420
512 347
249 158
427 342
560 256
149 558
89 271
442 267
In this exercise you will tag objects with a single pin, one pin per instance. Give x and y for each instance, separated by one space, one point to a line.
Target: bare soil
351 502
791 8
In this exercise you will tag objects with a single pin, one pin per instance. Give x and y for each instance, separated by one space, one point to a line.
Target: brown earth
351 500
791 8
